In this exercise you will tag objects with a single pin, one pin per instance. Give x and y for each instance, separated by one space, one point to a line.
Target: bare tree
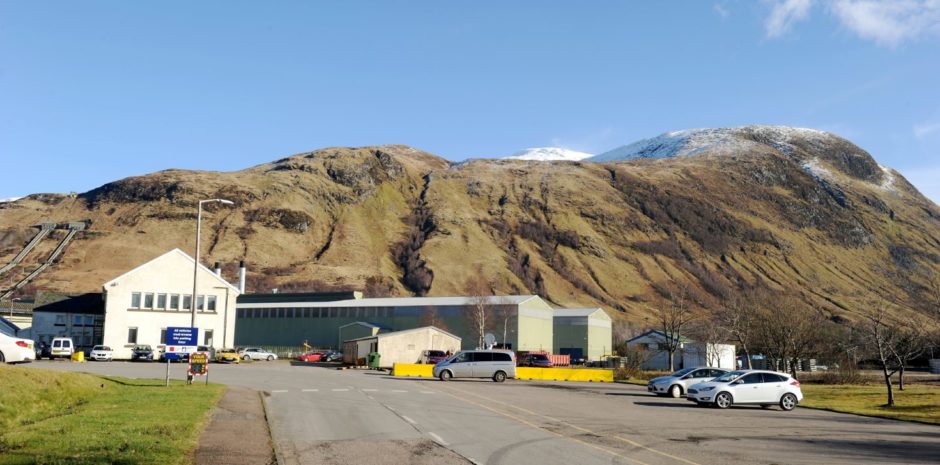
710 335
480 308
431 317
880 336
911 341
673 318
738 318
789 330
505 315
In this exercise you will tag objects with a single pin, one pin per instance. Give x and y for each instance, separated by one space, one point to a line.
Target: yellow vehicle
227 355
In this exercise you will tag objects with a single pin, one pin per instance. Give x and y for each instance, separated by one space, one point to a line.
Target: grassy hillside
820 218
53 417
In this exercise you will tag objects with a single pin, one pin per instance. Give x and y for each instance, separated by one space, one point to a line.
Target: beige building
142 303
583 333
400 346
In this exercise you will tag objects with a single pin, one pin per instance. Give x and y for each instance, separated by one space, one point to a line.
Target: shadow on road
298 363
663 404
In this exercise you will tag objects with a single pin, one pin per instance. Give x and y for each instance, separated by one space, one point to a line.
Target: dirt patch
371 452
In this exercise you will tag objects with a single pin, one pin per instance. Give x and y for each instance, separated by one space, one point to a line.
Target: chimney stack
218 269
241 276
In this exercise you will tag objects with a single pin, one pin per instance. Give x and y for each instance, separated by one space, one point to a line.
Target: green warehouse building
582 332
327 319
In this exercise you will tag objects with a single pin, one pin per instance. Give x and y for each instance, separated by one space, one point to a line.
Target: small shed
582 332
400 346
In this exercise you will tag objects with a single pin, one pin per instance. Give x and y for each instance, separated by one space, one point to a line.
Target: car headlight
706 389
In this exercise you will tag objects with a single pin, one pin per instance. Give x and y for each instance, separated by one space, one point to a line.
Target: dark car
536 360
43 351
174 356
332 356
433 356
142 353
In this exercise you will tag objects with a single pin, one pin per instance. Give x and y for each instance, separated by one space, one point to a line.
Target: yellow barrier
78 357
409 370
413 370
566 374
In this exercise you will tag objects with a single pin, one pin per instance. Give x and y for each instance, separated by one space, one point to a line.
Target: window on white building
148 300
135 299
161 301
162 335
208 338
76 320
201 302
174 301
187 302
89 320
210 303
132 335
60 320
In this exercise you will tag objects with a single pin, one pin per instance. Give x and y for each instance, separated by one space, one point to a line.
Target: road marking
310 390
427 392
438 439
340 390
409 420
369 390
585 430
398 390
278 391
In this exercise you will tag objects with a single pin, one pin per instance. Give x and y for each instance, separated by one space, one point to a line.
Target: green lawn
51 417
916 402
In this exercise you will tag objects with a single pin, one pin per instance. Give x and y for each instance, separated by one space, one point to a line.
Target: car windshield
729 376
98 348
436 353
682 372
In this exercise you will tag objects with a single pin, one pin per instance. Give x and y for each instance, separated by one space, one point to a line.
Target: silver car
495 364
257 353
677 384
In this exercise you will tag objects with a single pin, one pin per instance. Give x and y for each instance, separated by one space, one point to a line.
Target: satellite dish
489 339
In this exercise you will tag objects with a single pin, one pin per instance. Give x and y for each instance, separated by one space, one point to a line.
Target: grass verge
52 417
916 402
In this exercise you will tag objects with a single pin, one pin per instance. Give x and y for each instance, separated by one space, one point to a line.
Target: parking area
319 414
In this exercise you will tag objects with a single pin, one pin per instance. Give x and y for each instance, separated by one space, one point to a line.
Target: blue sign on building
181 337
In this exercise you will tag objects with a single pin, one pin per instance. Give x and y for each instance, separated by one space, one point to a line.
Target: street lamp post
194 298
13 299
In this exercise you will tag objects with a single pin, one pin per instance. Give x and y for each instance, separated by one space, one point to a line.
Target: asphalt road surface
323 415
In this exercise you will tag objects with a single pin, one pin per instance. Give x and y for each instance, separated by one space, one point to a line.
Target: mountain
548 154
755 207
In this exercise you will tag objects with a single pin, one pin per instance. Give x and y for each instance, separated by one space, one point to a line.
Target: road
323 415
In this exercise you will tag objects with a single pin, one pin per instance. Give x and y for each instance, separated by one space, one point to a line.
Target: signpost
179 341
198 366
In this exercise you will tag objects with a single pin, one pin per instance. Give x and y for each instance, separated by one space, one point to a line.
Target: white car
676 384
756 387
14 349
99 353
257 353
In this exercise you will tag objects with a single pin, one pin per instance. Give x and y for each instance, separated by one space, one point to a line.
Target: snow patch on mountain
11 199
548 154
691 142
888 183
816 170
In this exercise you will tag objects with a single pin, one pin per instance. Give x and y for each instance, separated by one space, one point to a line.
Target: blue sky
92 92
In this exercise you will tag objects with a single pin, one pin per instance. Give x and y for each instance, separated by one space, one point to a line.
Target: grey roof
400 302
576 312
404 331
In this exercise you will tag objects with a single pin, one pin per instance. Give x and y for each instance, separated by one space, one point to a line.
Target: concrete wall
171 273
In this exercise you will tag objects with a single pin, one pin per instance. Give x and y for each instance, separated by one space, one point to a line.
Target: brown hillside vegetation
621 235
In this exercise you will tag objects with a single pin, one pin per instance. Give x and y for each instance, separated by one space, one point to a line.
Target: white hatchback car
756 387
99 353
678 383
15 349
257 353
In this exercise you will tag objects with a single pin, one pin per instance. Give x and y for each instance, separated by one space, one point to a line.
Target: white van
495 364
61 347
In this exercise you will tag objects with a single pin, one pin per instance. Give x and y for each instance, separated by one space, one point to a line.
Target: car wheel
499 377
675 391
445 375
788 402
246 358
2 358
270 358
723 400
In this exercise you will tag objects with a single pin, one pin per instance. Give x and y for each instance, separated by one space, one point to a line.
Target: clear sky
92 92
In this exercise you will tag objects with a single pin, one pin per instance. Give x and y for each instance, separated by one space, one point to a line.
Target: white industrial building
142 303
400 346
689 353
